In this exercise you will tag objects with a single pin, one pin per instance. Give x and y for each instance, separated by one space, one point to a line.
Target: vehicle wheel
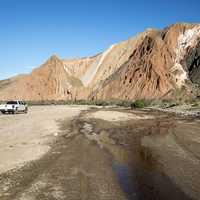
3 112
15 111
26 110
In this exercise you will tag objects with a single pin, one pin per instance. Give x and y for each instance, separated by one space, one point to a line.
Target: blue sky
33 30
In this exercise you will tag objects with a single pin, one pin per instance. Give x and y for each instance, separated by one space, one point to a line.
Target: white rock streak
66 69
91 72
185 40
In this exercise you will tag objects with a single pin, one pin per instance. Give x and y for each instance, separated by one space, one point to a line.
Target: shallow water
126 179
153 159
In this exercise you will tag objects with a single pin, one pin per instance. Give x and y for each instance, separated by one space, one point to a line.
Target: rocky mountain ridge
152 65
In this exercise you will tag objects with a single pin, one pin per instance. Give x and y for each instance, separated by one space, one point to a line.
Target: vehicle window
11 102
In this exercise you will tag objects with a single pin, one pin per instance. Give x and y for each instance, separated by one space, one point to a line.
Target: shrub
138 104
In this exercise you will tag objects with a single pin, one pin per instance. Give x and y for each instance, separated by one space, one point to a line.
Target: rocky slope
164 62
48 82
154 64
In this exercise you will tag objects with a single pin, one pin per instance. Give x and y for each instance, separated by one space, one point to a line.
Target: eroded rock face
145 75
151 65
156 67
191 62
48 82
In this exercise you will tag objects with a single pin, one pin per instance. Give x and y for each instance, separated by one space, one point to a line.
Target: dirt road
108 154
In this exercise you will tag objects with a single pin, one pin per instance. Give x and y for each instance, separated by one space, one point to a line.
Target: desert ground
98 153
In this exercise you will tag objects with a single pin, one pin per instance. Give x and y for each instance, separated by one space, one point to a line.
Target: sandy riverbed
103 153
118 116
26 137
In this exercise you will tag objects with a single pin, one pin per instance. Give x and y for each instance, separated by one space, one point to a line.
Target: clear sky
32 30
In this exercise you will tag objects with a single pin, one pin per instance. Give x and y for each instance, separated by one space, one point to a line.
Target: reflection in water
126 180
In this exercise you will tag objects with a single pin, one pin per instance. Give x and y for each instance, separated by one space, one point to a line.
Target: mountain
154 64
48 82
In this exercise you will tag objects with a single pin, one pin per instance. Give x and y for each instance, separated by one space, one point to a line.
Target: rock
154 64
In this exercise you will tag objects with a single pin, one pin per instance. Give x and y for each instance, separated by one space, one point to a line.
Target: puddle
126 180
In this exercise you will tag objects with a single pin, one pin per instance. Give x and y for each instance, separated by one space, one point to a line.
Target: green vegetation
138 104
81 102
68 102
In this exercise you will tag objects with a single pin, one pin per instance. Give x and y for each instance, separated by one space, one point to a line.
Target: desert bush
138 104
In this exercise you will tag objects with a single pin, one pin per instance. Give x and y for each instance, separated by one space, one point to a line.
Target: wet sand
125 155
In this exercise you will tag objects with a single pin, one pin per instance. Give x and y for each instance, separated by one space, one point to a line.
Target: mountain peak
54 57
54 60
